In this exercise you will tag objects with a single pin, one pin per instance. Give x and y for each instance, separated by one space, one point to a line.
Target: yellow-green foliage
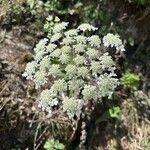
53 145
130 80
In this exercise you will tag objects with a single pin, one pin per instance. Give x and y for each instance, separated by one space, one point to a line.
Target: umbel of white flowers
82 72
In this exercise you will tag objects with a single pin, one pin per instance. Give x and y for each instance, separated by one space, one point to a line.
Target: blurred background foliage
20 12
140 2
98 12
101 13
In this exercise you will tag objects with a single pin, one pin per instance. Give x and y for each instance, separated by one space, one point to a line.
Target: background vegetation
119 123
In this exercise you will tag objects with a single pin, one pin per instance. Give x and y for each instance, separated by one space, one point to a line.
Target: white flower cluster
75 86
81 39
55 70
47 100
30 70
86 27
107 83
113 41
72 32
89 92
72 107
60 27
75 63
40 78
59 86
107 62
95 40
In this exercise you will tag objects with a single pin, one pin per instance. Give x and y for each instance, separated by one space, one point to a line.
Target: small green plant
79 64
53 145
130 80
131 41
111 113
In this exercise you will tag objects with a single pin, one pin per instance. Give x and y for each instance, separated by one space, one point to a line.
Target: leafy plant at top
41 6
53 145
77 61
130 80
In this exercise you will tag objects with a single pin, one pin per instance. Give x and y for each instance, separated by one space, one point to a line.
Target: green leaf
111 113
59 146
53 145
130 80
114 112
131 41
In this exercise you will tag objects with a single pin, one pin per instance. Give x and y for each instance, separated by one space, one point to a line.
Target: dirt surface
15 106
